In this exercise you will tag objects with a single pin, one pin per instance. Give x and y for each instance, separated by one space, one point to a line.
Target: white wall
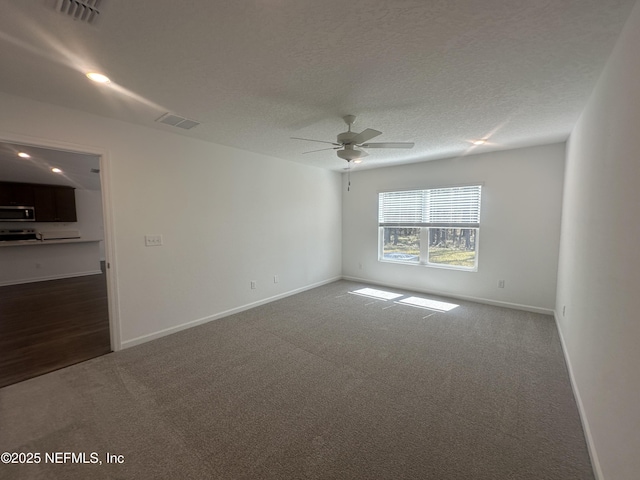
599 270
89 212
519 233
227 217
90 217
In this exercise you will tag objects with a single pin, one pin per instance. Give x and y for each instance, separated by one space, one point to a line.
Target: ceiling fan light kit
350 152
349 144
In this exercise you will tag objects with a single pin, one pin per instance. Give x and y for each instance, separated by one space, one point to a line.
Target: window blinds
438 207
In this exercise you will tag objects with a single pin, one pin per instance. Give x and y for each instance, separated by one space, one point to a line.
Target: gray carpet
325 384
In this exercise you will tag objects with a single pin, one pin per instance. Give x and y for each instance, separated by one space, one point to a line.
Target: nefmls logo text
71 457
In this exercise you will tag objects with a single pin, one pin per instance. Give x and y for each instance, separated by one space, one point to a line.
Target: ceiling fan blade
322 149
365 135
388 145
320 141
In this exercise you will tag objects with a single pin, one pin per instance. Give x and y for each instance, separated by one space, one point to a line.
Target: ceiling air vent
82 10
177 121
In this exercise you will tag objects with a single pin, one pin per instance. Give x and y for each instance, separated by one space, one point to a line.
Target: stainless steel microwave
17 214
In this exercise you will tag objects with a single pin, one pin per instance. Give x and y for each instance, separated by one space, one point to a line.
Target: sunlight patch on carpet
427 303
379 294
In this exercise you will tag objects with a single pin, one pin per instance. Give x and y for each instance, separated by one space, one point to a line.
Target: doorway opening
55 301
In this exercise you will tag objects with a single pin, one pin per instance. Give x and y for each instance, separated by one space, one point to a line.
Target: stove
17 234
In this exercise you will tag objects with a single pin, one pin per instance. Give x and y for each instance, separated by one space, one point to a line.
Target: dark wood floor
48 325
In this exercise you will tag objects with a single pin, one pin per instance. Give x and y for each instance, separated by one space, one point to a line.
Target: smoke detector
86 11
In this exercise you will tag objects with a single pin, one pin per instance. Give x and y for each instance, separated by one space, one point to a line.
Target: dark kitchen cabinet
54 203
12 194
66 204
44 203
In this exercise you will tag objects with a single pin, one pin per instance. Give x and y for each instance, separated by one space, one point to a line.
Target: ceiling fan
349 144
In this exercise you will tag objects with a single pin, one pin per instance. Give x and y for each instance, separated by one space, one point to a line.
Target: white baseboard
50 277
183 326
595 463
486 301
168 331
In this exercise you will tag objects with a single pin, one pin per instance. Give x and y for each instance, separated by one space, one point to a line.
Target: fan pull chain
349 177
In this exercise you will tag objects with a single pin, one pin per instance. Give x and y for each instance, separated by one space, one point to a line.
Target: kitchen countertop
23 243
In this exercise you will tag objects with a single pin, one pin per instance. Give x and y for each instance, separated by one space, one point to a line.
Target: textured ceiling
256 72
76 168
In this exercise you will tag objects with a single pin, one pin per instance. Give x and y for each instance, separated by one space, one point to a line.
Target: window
436 227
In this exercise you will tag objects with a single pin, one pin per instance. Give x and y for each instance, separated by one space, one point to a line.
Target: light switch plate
153 240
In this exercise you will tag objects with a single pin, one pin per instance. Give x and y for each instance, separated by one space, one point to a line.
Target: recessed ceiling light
24 155
481 141
56 170
98 77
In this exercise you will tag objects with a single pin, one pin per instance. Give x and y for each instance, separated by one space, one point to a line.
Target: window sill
430 265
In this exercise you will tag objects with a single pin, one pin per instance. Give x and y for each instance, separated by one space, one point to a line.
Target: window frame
421 214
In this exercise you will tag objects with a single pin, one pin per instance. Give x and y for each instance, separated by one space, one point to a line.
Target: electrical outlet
153 240
253 284
500 283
